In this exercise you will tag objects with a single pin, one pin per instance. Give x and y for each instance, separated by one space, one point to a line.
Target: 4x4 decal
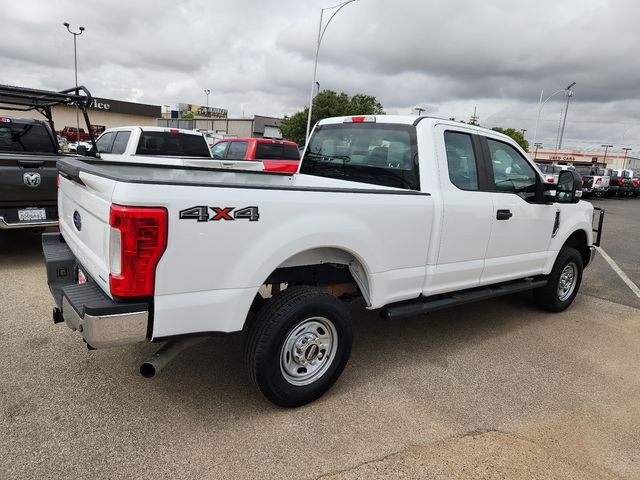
202 213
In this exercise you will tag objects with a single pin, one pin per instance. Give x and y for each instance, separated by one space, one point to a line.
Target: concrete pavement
496 389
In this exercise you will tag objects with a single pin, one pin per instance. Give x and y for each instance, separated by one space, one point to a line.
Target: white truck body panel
398 244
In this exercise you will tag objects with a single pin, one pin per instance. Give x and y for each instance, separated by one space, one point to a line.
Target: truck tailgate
84 205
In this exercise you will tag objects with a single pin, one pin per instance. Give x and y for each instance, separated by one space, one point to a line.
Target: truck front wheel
563 282
297 345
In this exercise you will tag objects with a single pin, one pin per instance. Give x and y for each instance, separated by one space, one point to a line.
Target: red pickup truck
275 155
71 134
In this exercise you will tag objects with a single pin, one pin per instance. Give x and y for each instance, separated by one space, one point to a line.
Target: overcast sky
257 57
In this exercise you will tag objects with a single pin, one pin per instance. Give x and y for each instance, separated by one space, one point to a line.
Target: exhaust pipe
168 352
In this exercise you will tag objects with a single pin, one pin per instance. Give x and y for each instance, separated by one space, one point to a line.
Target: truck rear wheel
298 345
563 282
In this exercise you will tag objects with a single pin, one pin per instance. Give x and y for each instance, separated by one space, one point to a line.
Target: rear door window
374 153
461 160
237 150
120 143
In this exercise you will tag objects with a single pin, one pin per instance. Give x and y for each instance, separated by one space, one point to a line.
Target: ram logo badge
31 179
202 213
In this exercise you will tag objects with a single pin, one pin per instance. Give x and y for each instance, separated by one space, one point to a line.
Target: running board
424 305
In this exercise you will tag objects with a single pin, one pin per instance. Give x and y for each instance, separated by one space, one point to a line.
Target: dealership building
103 113
612 159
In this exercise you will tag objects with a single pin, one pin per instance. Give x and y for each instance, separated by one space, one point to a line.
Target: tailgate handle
504 214
31 163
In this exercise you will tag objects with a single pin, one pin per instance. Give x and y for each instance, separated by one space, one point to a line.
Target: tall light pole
420 110
207 92
566 109
626 153
535 155
321 31
606 147
75 63
542 104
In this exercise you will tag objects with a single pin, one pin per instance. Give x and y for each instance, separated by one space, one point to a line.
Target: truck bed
157 174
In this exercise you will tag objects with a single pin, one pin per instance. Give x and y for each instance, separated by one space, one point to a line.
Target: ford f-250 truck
413 215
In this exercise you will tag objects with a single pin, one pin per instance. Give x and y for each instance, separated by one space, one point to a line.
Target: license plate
30 214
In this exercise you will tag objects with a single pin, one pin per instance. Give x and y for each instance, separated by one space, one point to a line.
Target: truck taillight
620 182
137 241
550 180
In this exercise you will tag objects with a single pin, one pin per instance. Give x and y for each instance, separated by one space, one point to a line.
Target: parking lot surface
496 389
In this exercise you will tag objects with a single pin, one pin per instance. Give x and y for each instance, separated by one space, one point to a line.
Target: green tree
517 135
328 104
187 115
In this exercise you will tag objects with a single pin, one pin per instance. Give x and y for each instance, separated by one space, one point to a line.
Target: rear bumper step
85 307
424 305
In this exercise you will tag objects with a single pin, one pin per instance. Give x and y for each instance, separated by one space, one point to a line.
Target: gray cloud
257 57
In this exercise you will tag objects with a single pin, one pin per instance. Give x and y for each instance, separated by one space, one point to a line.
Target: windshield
379 154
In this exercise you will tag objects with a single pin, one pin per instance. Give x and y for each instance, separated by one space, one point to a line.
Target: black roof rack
26 99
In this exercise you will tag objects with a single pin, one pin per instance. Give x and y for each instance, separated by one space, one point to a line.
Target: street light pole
321 31
542 104
420 110
566 109
626 153
207 92
606 147
75 63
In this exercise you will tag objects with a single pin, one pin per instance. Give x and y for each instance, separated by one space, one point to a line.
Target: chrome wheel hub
567 282
308 351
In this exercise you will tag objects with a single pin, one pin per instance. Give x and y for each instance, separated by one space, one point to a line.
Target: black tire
286 318
551 297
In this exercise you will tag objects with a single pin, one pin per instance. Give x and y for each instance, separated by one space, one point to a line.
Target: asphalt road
492 390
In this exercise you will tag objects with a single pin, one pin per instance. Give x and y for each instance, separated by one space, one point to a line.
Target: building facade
613 159
257 126
103 113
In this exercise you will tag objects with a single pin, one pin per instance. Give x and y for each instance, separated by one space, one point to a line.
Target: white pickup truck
164 146
412 214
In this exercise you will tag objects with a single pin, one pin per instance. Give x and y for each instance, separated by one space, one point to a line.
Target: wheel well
324 267
578 240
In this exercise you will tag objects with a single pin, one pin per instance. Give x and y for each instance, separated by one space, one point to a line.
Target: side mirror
81 150
569 188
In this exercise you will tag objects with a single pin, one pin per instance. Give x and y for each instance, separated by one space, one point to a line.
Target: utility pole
75 63
606 147
474 120
535 155
626 153
207 92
